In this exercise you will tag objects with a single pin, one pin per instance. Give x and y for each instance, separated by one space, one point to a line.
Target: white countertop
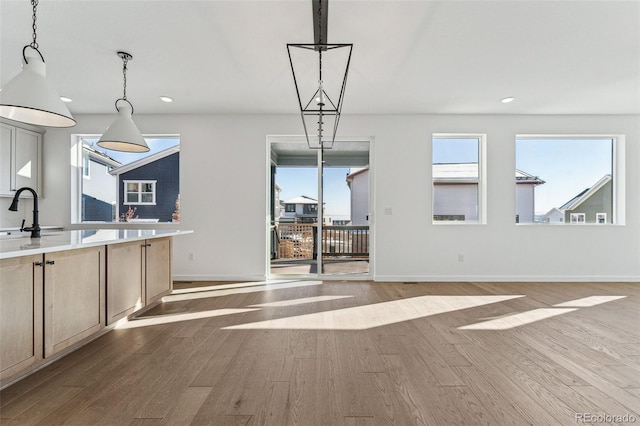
22 245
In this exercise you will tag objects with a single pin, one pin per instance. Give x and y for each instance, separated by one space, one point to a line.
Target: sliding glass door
318 209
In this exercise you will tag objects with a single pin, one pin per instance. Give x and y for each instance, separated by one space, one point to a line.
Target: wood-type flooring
354 353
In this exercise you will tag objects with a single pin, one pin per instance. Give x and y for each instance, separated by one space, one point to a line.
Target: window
310 208
577 217
85 166
140 192
566 180
125 187
458 178
290 208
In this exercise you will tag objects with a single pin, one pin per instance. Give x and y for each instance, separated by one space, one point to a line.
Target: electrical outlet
460 257
190 256
388 211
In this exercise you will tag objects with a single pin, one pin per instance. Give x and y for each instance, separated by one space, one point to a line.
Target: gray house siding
166 173
600 202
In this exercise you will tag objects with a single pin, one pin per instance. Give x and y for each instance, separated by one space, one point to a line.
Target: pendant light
123 134
29 97
320 76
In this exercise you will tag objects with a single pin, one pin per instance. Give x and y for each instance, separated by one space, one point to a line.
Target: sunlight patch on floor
253 287
517 320
171 318
294 302
586 302
377 314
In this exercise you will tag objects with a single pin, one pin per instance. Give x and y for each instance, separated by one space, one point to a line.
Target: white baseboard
503 278
219 278
428 278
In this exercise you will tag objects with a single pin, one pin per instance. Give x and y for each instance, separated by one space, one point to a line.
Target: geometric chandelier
320 73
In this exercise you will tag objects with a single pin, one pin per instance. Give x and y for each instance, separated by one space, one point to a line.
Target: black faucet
35 227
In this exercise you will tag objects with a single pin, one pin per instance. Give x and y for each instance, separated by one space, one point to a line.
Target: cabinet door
158 269
125 279
20 314
27 159
7 135
73 302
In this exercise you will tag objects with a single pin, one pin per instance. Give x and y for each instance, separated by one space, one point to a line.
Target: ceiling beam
320 15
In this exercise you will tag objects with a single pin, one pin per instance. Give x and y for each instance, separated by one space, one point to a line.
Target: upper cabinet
20 159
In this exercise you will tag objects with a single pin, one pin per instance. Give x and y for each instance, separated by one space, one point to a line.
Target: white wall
224 198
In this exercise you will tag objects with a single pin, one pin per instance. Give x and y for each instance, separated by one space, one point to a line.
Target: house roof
99 156
585 194
523 177
303 199
146 160
468 172
356 172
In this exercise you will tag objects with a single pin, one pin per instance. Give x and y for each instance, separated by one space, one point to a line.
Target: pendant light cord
125 60
34 43
126 57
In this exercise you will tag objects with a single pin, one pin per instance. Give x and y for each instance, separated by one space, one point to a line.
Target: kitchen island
67 288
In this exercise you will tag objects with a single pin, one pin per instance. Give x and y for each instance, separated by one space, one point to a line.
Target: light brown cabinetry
20 314
138 273
158 279
74 286
125 279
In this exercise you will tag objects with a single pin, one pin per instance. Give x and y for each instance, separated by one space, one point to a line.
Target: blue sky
297 181
155 145
568 167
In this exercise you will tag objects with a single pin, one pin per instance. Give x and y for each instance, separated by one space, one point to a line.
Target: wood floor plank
189 367
187 405
501 409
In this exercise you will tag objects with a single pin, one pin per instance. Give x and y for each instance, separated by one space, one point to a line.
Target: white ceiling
554 57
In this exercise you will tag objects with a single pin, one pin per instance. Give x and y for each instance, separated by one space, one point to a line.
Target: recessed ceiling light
507 100
65 99
166 99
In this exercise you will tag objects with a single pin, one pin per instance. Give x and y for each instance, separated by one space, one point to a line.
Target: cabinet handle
146 245
38 263
50 262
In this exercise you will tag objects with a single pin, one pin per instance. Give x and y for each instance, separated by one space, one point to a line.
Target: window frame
577 217
617 173
76 179
140 184
481 180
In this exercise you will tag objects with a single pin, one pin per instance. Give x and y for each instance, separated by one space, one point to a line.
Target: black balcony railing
298 241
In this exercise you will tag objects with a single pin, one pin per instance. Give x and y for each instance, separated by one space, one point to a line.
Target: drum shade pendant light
30 97
123 134
320 75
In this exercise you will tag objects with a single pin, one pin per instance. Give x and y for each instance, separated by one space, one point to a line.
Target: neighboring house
358 182
455 193
555 215
301 209
278 206
150 187
98 185
593 205
525 196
